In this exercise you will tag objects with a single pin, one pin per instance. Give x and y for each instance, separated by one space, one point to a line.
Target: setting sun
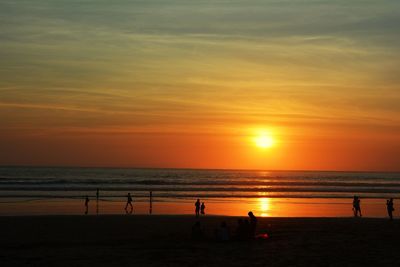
264 140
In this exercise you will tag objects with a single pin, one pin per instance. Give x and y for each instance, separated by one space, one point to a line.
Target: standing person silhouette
390 209
356 206
253 224
197 205
202 208
97 200
151 203
87 205
129 203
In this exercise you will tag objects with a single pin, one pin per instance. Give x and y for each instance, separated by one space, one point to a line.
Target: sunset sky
191 83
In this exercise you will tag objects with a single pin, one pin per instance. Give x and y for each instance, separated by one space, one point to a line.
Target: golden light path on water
264 206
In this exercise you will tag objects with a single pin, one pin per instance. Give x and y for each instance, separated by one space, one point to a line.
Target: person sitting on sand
129 203
240 231
253 224
197 232
87 205
202 208
356 206
222 233
390 209
197 205
246 230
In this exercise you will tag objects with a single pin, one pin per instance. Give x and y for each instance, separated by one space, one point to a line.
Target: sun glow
264 140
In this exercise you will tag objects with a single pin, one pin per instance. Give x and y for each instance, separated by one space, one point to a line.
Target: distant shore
143 240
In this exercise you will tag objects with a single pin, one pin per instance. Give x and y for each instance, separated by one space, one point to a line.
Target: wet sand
138 240
263 206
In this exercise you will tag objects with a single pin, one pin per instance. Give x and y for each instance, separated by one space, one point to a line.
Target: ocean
19 184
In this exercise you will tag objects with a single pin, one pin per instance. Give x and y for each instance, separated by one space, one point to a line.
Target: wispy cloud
162 65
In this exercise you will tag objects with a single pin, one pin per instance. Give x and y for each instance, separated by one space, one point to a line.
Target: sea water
175 190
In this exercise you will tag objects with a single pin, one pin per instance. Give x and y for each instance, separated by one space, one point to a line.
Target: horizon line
191 168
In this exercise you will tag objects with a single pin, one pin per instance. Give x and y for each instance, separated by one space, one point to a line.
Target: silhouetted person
197 232
202 208
356 206
390 209
197 205
87 205
253 224
129 203
246 230
222 233
240 231
151 203
97 200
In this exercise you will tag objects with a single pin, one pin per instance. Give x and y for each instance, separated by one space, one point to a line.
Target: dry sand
165 241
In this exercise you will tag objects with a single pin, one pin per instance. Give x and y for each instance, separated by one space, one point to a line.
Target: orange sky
189 83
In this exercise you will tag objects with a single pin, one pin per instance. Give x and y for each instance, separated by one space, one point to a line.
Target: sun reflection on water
264 206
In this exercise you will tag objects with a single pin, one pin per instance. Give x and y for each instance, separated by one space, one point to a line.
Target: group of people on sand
357 207
199 208
246 230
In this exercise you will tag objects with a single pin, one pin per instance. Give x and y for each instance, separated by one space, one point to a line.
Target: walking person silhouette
87 205
356 206
197 205
97 200
129 203
202 208
390 209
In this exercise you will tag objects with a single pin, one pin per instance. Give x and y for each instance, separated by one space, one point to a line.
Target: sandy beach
138 240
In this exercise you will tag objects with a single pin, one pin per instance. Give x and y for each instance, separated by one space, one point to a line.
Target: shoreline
262 207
